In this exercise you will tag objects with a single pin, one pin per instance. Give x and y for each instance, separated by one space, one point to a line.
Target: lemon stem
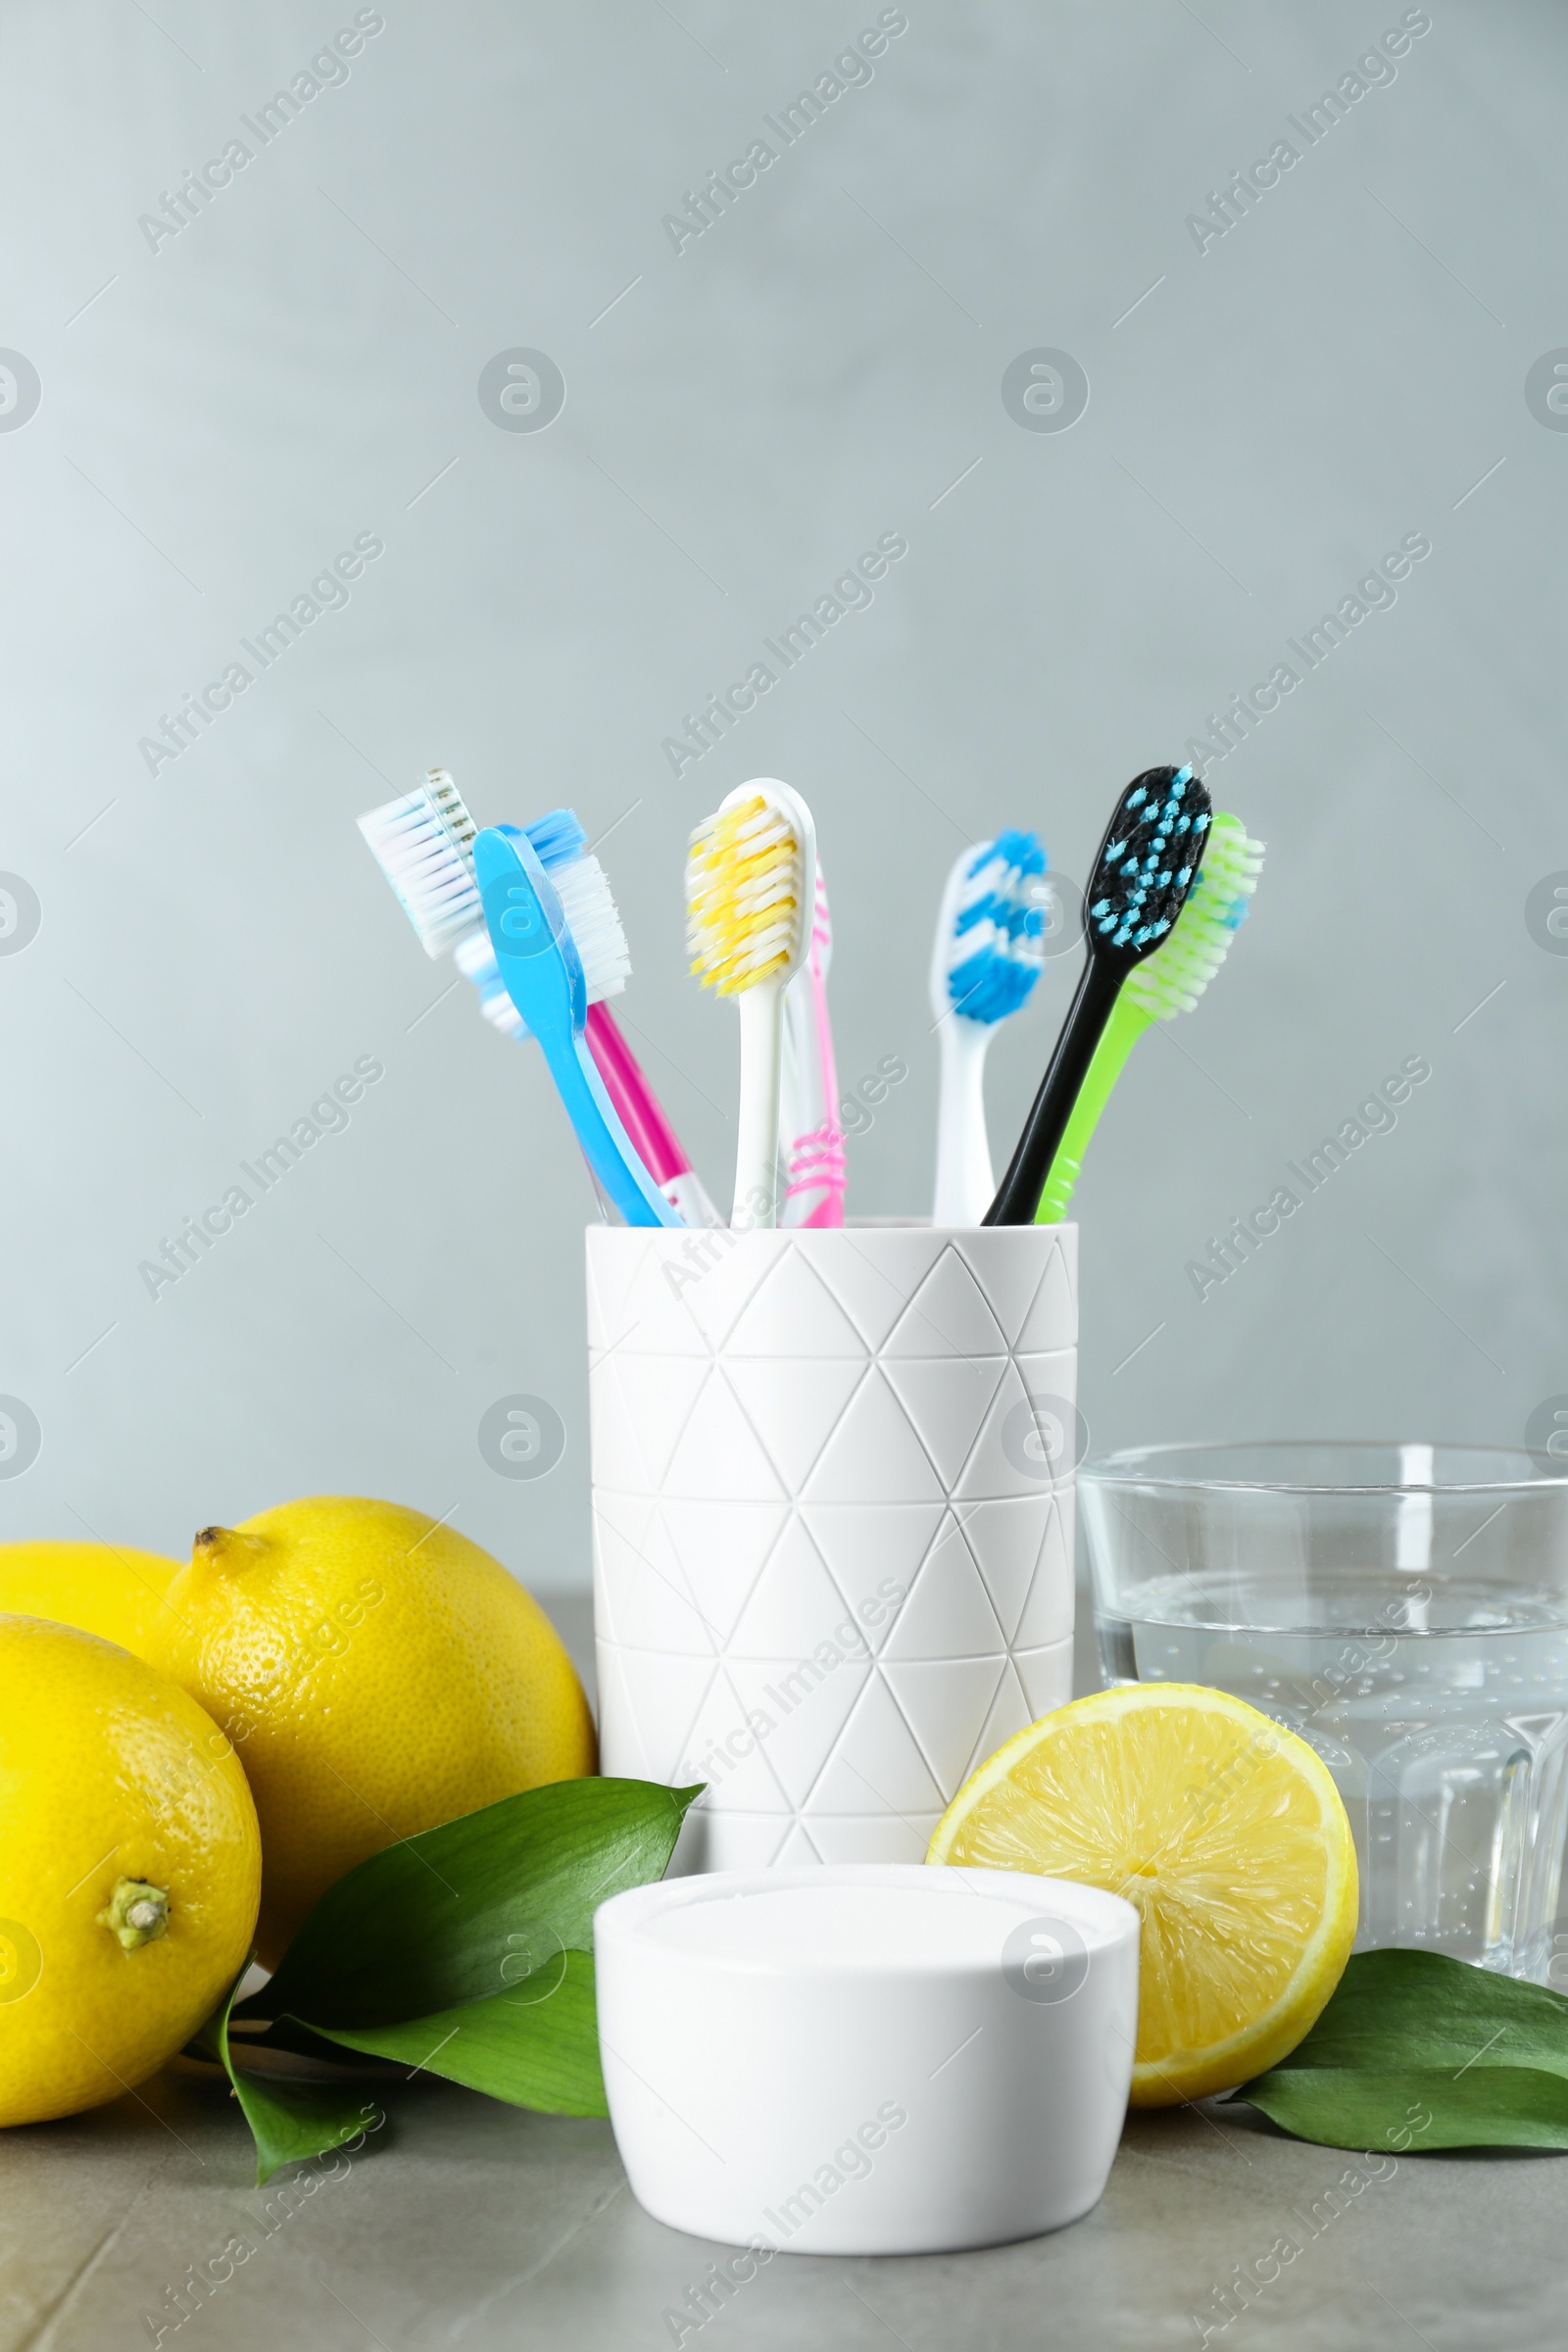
225 1547
136 1913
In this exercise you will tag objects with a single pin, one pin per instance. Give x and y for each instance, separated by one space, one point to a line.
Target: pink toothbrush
643 1117
814 1195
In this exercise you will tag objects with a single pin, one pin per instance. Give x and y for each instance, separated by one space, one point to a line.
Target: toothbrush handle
1125 1027
814 1194
965 1178
641 1112
762 1012
1018 1195
642 1115
607 1147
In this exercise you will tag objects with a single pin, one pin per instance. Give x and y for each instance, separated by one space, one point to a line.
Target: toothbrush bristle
1148 862
746 894
556 837
1175 976
423 843
997 943
592 917
593 922
476 959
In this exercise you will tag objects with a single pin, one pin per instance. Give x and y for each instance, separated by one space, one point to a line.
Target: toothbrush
542 972
643 1117
641 1112
751 888
1152 848
595 923
814 1193
989 946
423 843
1171 982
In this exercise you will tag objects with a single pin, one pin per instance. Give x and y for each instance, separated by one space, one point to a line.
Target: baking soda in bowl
867 2058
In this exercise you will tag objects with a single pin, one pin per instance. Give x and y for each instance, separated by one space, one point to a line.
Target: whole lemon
130 1865
104 1588
379 1674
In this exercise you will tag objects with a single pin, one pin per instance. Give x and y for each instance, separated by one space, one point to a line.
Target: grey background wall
193 955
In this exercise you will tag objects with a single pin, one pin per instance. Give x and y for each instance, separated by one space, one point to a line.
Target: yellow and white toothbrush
750 896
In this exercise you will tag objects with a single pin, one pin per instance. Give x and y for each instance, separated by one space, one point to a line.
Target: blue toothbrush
537 959
989 945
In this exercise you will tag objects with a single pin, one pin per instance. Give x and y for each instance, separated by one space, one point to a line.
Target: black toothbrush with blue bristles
1146 864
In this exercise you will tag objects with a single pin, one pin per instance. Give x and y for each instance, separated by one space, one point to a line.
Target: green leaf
1414 2109
286 2034
291 2122
534 2049
1429 2009
466 1911
1417 2050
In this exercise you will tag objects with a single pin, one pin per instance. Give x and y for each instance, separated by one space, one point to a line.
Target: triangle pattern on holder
794 1406
877 1762
642 1598
613 1272
948 1612
804 1707
722 1548
1047 1614
649 1702
1052 1318
948 1316
873 1836
1009 1282
794 1604
873 1553
794 1314
723 1749
618 1461
1008 1712
619 1532
1009 1540
873 1288
732 1840
947 1705
1007 1457
873 1452
657 1394
1046 1676
796 1852
649 1317
727 1278
718 1456
946 1399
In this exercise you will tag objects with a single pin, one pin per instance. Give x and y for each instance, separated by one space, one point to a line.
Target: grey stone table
470 2224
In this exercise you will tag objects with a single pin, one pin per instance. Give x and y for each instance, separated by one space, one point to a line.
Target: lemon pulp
1226 1832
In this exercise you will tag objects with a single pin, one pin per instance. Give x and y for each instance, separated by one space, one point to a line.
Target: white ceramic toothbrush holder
833 1521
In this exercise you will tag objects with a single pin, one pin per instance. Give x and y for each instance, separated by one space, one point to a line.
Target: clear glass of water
1404 1608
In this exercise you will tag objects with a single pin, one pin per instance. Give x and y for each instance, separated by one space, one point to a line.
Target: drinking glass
1404 1608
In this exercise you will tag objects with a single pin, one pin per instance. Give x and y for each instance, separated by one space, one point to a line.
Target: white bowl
867 2058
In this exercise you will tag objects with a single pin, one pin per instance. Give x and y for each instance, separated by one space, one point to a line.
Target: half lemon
1226 1832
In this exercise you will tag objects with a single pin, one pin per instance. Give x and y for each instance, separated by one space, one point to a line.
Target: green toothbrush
1164 984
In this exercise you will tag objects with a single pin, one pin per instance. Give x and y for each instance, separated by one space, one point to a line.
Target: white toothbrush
984 965
751 894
